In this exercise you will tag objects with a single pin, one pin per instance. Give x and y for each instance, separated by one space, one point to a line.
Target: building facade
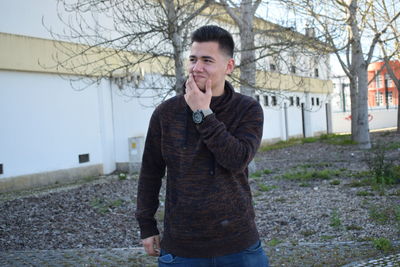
53 132
382 91
382 99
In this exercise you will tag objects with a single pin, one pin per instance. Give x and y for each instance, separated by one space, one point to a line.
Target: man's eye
192 59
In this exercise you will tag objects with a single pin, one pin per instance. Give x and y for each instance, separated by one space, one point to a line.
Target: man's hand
152 245
195 98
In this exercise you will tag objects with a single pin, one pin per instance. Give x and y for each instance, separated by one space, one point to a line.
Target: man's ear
230 66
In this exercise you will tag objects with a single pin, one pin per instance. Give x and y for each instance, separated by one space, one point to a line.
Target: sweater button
184 147
211 172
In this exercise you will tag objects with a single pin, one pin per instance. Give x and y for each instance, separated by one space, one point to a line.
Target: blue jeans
253 256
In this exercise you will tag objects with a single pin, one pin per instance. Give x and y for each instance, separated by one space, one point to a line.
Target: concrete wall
45 124
379 119
284 121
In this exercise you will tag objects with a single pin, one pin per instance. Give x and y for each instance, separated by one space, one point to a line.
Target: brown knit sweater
208 205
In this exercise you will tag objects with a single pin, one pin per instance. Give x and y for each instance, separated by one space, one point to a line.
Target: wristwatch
200 114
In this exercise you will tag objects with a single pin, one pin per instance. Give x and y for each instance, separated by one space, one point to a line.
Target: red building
382 91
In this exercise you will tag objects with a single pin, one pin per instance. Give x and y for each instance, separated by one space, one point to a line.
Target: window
379 98
388 81
274 103
316 73
258 98
297 101
390 98
317 101
1 168
83 158
272 67
266 100
291 100
376 99
293 69
378 80
312 101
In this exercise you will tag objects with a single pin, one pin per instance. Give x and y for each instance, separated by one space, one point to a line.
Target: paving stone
120 257
392 260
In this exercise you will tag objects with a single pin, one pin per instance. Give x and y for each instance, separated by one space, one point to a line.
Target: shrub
382 168
335 219
383 244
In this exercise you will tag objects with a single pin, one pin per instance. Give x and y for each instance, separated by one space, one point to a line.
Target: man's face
207 61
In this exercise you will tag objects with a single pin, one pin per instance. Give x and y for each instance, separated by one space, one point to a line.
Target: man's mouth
198 77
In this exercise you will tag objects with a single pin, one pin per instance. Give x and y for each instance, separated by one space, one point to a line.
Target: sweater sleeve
235 150
151 173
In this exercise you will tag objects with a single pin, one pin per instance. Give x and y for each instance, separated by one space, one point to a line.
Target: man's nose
198 66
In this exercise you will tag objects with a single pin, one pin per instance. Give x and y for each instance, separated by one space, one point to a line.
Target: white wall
45 124
131 116
274 116
379 119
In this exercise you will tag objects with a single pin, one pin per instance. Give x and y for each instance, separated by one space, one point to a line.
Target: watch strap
206 112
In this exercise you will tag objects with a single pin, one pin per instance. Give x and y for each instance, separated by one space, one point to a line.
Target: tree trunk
354 108
247 54
244 21
176 37
359 72
178 58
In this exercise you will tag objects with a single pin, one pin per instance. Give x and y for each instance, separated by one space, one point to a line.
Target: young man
206 139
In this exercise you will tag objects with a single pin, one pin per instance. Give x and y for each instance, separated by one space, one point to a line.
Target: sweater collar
219 103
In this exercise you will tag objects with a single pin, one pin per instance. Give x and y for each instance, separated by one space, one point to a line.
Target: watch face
197 116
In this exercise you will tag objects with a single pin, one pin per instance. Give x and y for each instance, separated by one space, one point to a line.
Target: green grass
258 174
386 214
335 219
280 144
266 171
307 175
327 237
266 188
364 194
122 176
308 233
334 139
353 228
362 174
361 183
383 244
392 146
335 182
274 242
103 206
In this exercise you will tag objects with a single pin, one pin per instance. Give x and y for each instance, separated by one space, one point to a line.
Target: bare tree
342 25
117 37
243 15
385 13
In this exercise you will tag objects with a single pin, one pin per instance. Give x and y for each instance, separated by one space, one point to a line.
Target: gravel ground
325 220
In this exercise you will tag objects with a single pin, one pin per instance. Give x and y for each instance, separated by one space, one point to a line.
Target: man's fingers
152 245
157 244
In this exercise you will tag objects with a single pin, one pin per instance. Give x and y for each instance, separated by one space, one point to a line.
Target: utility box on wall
136 146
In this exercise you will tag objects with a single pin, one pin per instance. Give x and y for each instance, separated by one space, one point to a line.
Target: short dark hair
212 33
